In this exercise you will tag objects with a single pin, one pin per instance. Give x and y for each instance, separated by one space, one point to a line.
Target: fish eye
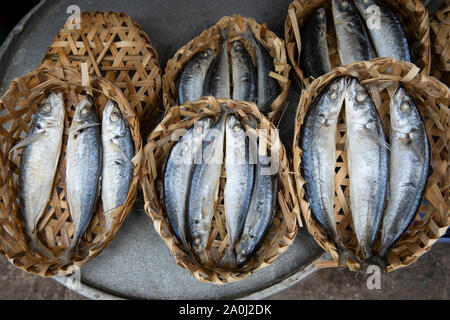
404 106
199 129
243 253
114 117
84 111
197 241
360 96
236 128
366 1
333 94
344 4
46 107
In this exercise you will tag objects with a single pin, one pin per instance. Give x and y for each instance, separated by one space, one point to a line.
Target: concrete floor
428 278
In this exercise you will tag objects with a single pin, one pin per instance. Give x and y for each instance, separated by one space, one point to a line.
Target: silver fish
118 150
38 164
352 37
318 144
217 82
367 156
388 37
193 77
178 173
239 185
244 73
409 163
268 88
83 168
260 213
315 57
205 186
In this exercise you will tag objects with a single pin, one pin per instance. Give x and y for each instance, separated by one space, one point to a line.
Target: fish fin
82 127
28 140
229 259
418 152
123 156
372 134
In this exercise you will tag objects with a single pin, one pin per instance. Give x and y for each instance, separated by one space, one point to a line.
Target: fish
408 166
217 82
388 37
260 213
178 174
318 143
239 184
267 87
243 72
38 164
352 37
315 57
192 78
83 168
367 159
204 188
117 169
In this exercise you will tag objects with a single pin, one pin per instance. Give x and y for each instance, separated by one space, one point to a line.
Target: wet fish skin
205 186
38 164
318 144
193 77
178 173
260 213
117 169
244 73
315 57
239 185
268 88
367 158
390 39
83 168
352 37
217 82
409 163
286 125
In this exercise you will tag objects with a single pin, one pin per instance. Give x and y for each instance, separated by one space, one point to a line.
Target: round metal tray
137 263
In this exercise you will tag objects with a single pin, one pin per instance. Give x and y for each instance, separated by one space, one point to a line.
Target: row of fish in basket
222 185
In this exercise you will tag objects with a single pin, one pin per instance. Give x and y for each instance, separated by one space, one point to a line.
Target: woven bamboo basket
412 15
284 227
55 228
382 76
211 38
117 49
440 43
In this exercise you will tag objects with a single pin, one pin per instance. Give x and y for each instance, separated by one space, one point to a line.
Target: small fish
83 168
318 144
38 164
385 29
315 57
217 82
205 186
193 77
260 213
178 173
244 73
367 156
409 163
352 37
118 150
239 184
268 88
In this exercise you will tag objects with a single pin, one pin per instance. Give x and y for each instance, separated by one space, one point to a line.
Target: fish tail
39 247
67 255
229 259
344 254
248 35
380 261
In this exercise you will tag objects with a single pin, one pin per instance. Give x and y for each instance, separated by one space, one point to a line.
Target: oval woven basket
211 38
382 76
440 43
412 15
55 228
116 48
284 227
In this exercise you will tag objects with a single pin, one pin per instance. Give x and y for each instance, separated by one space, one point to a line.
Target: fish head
358 103
321 18
244 248
199 235
204 58
364 5
332 99
85 111
234 126
403 112
113 123
236 48
51 111
343 8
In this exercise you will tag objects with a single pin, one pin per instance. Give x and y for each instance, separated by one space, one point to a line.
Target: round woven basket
55 228
412 15
440 43
116 48
382 76
284 227
211 38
